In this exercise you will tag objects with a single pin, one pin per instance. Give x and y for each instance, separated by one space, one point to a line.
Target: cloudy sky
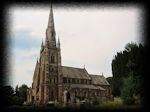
89 36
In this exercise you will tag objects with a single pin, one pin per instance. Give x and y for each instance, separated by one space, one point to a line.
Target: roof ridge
73 67
96 75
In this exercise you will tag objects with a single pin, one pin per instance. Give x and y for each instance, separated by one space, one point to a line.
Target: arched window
52 69
52 59
85 93
54 80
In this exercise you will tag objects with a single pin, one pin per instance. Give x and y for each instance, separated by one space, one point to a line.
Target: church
54 82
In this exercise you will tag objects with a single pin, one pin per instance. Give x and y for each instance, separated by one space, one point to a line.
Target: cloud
28 20
27 54
23 40
22 66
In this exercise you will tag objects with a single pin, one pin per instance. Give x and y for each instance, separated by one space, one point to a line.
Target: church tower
50 64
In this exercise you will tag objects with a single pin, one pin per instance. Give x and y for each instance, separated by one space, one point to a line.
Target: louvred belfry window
52 59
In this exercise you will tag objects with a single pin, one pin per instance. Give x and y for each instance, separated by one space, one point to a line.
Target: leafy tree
17 90
16 100
23 92
12 97
7 93
127 62
130 46
127 90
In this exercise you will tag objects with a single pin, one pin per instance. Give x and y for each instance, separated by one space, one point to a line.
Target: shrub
28 104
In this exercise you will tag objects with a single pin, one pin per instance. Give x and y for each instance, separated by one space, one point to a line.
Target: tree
12 97
23 92
130 46
7 93
127 90
127 62
16 89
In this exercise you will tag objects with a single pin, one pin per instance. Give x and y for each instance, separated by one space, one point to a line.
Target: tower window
54 81
51 69
64 80
52 59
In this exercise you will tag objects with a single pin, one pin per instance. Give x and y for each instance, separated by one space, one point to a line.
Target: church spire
51 19
50 31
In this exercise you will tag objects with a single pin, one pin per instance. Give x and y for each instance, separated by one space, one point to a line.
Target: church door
68 96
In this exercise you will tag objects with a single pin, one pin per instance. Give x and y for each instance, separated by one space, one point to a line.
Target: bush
28 104
95 102
128 101
117 103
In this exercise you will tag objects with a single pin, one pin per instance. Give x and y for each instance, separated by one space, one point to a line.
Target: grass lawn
118 104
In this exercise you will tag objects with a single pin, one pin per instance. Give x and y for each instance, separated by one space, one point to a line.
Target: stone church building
54 82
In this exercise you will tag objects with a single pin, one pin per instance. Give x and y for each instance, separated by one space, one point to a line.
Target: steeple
50 31
51 19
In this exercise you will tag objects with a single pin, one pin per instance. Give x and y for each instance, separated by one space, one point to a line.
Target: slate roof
99 80
81 73
85 86
72 72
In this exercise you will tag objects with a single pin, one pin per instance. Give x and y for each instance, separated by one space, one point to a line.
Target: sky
89 36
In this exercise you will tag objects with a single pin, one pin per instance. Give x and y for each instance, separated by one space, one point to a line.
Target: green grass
117 104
